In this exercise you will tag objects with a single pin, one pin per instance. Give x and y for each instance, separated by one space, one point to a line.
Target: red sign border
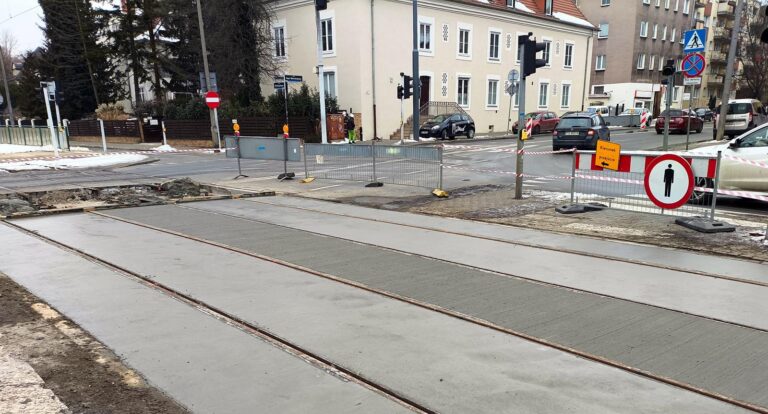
703 66
212 94
647 184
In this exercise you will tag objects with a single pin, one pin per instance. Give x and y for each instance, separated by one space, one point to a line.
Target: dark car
679 121
580 130
448 126
704 113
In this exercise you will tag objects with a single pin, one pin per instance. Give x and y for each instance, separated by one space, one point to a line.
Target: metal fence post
304 155
373 154
440 166
237 146
104 136
717 183
573 174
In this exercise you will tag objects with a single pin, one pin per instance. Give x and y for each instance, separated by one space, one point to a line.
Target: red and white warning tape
611 179
102 154
742 194
746 161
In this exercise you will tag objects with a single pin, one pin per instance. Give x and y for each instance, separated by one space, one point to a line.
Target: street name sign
694 40
669 181
691 81
607 155
294 78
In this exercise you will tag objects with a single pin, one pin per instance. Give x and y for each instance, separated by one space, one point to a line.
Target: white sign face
686 96
691 81
669 181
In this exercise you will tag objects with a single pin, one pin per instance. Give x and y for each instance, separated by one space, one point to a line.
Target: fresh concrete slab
682 347
661 256
205 364
444 363
685 292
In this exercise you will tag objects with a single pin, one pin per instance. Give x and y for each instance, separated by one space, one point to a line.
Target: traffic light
669 68
764 17
321 4
400 91
407 87
530 49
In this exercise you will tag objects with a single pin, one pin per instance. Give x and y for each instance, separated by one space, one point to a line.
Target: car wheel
536 130
555 148
444 135
701 128
470 133
702 197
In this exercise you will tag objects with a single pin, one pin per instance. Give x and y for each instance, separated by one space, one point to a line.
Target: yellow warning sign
236 127
608 155
285 128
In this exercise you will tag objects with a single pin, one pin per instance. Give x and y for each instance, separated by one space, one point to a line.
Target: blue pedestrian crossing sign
694 40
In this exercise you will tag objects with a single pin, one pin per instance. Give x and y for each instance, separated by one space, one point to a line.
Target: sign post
46 97
693 66
512 77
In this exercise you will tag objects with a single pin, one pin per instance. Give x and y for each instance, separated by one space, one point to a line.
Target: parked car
704 113
636 113
679 121
543 121
743 115
580 130
448 126
734 175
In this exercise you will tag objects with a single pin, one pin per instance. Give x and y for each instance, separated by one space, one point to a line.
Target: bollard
573 174
165 138
103 136
237 147
304 156
717 183
440 165
375 182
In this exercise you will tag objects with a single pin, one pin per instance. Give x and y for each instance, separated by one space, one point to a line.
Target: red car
679 121
543 121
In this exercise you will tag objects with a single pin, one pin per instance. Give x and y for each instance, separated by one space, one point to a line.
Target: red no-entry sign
212 100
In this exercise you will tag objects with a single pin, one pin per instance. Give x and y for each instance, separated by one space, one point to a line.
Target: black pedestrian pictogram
669 178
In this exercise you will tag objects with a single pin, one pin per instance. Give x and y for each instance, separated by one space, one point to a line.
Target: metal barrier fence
418 166
625 189
34 136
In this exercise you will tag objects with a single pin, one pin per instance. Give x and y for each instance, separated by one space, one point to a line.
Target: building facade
466 49
634 42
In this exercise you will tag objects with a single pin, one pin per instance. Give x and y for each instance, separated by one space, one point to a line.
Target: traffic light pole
214 134
401 121
416 80
729 72
520 127
321 79
50 120
670 88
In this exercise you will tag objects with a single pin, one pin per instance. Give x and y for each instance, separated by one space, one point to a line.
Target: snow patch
164 148
522 7
571 19
65 163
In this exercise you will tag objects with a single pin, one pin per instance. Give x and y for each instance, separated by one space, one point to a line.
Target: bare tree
8 46
753 55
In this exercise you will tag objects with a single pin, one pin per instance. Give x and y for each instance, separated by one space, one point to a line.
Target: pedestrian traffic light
407 86
669 68
764 17
530 49
321 4
400 91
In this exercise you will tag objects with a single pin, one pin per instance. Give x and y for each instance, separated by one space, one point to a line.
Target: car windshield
672 112
440 118
574 123
739 108
532 115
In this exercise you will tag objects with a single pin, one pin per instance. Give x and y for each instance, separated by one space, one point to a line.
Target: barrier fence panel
418 166
625 189
34 136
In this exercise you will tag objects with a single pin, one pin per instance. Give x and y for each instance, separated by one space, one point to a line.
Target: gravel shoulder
59 368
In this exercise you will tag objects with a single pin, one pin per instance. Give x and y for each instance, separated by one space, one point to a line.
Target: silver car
743 115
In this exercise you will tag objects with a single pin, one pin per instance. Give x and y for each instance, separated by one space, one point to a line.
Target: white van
743 115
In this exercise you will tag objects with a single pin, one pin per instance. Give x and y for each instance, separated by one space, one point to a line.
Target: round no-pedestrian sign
693 65
669 181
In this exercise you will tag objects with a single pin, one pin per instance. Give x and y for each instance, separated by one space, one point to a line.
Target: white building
466 49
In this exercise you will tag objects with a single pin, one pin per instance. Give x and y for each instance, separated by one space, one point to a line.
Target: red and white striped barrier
636 163
742 194
529 127
644 120
102 154
746 161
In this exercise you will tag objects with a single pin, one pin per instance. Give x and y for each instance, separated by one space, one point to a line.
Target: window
493 46
675 94
677 5
686 7
519 49
280 41
568 59
548 7
652 63
517 100
658 3
511 3
674 34
641 61
661 63
600 64
655 30
547 51
565 97
758 138
664 33
492 97
425 37
465 42
603 31
326 27
646 1
329 82
598 90
543 94
666 4
643 29
605 3
462 92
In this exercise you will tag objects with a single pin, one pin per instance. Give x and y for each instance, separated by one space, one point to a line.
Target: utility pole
528 66
416 79
5 82
214 134
721 119
321 78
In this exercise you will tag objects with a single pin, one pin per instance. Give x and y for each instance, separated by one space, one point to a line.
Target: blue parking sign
694 40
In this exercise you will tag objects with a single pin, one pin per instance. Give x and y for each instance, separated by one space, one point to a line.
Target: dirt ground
84 376
496 204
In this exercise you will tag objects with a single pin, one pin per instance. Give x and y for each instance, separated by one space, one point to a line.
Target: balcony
722 34
717 58
714 82
725 12
730 2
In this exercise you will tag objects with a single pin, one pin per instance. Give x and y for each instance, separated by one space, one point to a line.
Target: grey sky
24 27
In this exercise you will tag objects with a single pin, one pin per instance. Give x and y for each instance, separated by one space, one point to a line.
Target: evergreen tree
29 98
